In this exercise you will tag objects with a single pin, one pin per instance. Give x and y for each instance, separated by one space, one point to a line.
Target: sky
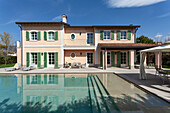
152 15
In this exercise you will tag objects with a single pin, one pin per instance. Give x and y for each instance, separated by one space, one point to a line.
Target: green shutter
118 35
101 59
27 36
56 35
28 79
56 79
39 60
129 35
39 35
128 58
45 59
112 35
113 59
28 59
45 35
56 59
28 100
45 79
101 35
118 59
39 79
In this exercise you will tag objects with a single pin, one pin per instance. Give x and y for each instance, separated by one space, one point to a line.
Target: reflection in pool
85 93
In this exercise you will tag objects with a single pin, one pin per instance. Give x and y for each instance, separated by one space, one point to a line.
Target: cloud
10 22
164 15
57 18
158 36
131 3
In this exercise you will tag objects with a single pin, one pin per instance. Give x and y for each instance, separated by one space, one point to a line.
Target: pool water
75 93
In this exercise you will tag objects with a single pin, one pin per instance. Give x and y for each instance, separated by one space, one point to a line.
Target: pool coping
142 88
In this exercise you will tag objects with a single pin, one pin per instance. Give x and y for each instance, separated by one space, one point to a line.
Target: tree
6 43
144 39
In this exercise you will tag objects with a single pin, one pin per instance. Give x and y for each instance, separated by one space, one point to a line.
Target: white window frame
48 36
30 55
73 34
106 36
126 34
30 35
71 57
52 65
93 58
87 35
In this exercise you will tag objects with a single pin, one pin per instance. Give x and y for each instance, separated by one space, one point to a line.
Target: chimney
64 18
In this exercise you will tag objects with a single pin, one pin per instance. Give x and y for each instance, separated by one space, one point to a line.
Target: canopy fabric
142 68
163 48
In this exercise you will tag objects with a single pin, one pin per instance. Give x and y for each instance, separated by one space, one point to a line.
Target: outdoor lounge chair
31 67
16 67
76 65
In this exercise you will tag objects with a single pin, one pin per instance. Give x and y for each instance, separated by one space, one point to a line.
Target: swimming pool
75 93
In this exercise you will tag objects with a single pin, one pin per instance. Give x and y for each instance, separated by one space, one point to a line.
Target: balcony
78 42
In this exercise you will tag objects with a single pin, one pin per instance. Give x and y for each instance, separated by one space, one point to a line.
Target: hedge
11 59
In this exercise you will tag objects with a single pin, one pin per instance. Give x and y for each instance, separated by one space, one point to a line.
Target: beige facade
74 39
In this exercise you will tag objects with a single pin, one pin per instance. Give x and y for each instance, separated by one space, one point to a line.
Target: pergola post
158 59
103 59
131 59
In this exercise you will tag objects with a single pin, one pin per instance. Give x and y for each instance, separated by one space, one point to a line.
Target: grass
165 66
7 65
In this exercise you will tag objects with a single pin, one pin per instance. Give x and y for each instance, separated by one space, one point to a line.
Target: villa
52 44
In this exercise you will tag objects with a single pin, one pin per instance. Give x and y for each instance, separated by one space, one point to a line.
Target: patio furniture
76 65
16 67
31 67
66 65
83 65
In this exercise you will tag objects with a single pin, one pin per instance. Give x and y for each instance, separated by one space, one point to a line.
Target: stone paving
159 86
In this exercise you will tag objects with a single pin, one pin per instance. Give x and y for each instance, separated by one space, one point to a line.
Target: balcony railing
78 42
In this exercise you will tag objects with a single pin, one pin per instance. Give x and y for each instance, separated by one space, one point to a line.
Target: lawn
7 65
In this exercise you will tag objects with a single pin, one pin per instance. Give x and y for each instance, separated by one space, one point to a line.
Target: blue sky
152 15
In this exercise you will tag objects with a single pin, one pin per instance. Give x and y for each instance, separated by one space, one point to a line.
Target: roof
59 23
93 26
126 45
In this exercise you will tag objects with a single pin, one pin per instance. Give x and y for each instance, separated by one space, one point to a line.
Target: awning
163 48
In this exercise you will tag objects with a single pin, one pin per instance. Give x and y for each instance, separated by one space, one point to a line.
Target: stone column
158 59
105 59
131 59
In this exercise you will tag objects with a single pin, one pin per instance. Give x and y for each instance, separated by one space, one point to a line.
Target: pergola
158 52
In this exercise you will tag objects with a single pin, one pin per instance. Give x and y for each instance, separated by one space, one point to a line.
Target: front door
90 59
50 59
123 59
108 59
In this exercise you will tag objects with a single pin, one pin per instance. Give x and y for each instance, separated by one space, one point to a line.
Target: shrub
11 59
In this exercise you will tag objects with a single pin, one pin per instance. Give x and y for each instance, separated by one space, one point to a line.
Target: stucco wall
78 57
81 36
42 50
19 55
42 28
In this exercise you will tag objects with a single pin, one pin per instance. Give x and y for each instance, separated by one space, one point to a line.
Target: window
33 35
107 35
34 58
123 35
80 53
73 36
89 38
34 79
108 57
51 79
72 55
51 58
50 35
123 57
90 58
